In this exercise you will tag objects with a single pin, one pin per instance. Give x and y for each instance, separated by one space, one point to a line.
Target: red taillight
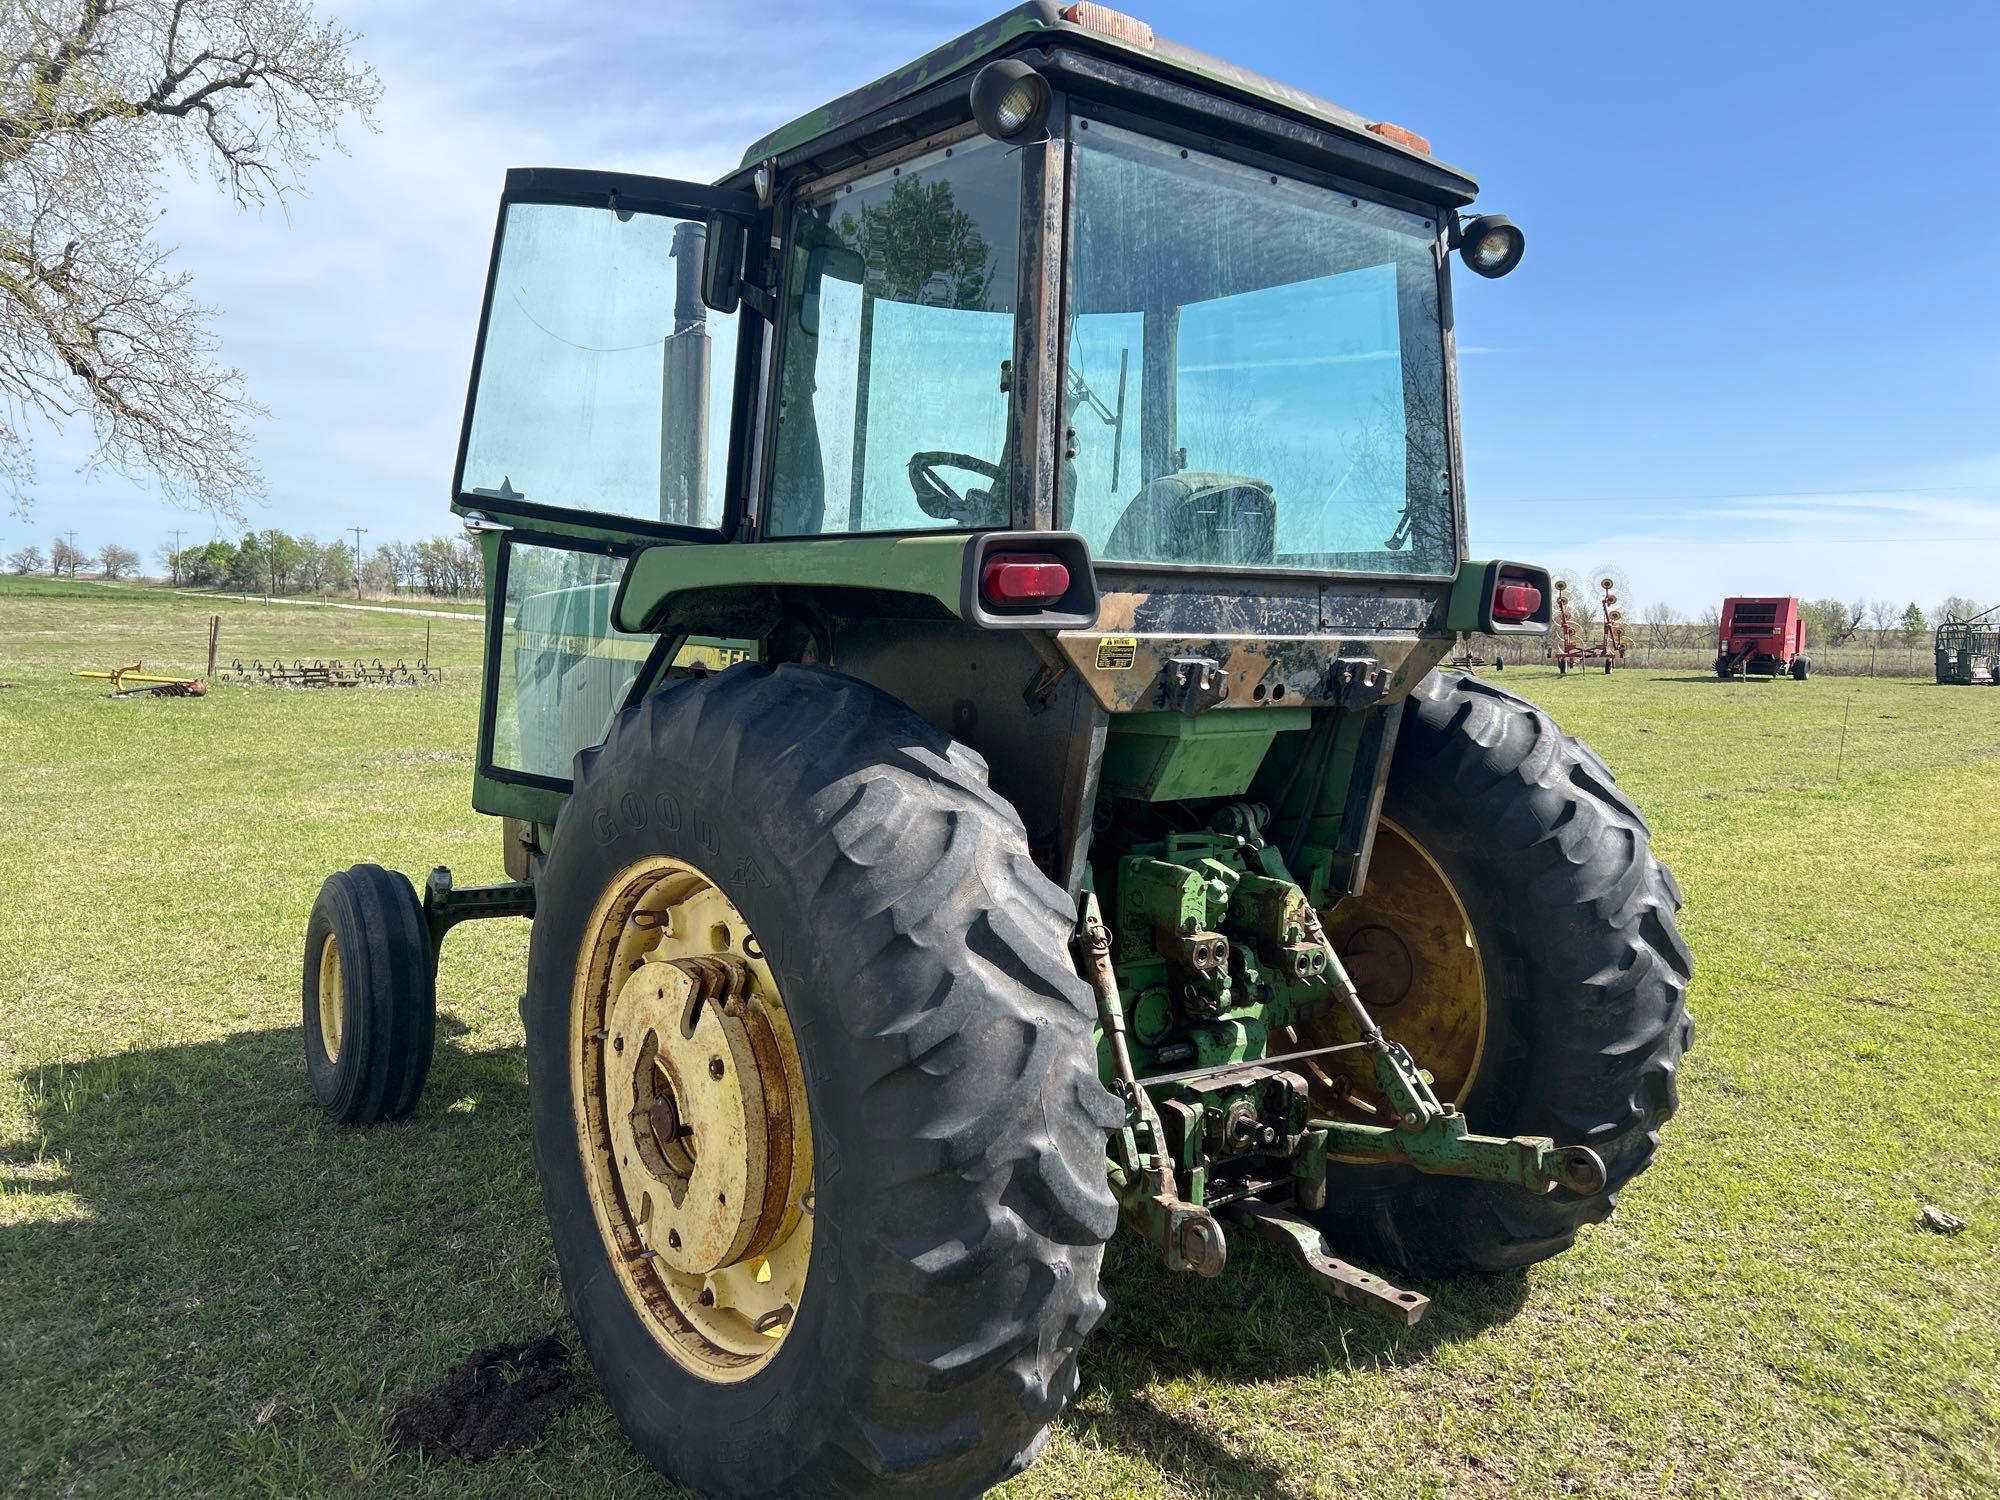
1009 580
1515 602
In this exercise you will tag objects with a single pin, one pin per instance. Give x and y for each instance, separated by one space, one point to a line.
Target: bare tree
1660 619
117 561
27 560
65 559
378 574
403 563
1883 615
1954 607
96 97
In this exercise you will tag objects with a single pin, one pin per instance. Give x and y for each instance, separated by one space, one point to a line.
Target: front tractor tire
815 1097
369 997
1532 961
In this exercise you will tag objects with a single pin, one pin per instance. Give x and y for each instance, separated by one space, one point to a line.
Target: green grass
398 601
206 1290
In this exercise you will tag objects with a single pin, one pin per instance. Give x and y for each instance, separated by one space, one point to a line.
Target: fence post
214 630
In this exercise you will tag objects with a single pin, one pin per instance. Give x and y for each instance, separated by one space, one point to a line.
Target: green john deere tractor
964 595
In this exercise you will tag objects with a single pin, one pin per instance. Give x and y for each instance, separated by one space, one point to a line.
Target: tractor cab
1092 338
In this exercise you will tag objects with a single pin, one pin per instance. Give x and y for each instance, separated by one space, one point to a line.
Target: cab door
603 416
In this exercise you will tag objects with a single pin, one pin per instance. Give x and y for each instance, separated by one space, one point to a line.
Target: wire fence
1867 653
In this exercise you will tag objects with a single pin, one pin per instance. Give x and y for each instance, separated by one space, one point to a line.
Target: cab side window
893 386
563 670
594 390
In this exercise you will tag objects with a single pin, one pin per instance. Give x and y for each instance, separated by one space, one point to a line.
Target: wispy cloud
352 308
1910 537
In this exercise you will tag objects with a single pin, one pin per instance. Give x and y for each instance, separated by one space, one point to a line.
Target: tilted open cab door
605 414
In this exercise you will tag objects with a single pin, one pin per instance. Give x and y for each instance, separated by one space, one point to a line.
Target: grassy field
206 1290
346 601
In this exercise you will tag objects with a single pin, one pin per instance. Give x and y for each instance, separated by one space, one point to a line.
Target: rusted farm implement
1571 647
130 682
331 674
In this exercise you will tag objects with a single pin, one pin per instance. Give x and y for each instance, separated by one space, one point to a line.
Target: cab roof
1096 29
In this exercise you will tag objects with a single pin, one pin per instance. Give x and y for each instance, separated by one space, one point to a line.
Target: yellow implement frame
172 687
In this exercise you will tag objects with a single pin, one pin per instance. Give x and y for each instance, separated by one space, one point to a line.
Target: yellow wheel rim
691 1114
1409 946
332 998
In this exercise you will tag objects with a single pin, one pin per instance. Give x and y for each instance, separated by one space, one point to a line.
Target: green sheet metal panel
1166 757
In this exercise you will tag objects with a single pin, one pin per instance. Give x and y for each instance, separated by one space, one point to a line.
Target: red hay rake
1571 648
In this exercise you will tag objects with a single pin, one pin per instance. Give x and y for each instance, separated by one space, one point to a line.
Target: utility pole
177 559
359 532
75 567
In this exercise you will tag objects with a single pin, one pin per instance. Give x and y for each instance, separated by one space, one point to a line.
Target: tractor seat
1194 516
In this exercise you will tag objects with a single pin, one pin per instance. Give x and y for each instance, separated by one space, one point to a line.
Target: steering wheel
937 498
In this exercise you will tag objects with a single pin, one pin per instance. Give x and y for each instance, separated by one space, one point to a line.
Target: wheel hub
1407 943
691 1112
1379 963
332 998
700 1134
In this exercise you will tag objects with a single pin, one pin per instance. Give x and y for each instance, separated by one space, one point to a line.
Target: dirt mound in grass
494 1401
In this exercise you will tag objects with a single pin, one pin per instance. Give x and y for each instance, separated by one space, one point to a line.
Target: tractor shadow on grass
204 1275
1261 1321
201 1270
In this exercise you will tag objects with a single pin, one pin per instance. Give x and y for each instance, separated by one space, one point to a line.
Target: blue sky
1752 346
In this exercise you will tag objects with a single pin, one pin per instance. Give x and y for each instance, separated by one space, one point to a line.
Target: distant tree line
1659 634
275 562
66 560
1829 623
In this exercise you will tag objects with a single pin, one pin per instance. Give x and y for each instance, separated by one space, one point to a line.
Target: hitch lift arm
1432 1136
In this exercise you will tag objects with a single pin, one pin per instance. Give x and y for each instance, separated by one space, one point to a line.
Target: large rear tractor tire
369 997
1518 936
815 1096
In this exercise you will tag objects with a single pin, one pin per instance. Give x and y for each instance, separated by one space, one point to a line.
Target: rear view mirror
722 266
827 260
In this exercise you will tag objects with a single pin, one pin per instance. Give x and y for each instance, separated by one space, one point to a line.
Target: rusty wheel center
670 1139
692 1115
1379 963
1409 947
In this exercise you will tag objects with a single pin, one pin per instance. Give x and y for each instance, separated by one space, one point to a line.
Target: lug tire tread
389 1029
1595 1059
963 1105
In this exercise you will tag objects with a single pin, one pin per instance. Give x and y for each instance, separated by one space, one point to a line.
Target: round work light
1010 101
1491 245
